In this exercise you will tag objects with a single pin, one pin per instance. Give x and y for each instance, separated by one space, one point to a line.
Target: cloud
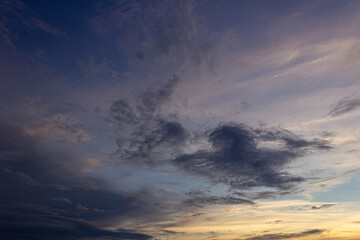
291 140
30 225
152 135
31 155
199 198
61 128
19 19
152 28
153 144
144 107
167 232
345 105
160 38
236 155
45 196
322 206
237 159
267 194
286 235
64 200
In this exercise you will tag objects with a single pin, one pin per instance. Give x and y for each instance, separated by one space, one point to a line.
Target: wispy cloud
287 235
145 107
199 198
18 19
345 105
322 206
152 134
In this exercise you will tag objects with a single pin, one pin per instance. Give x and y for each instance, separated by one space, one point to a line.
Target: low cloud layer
44 226
46 197
286 235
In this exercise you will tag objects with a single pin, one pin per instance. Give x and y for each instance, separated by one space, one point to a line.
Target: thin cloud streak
344 106
287 235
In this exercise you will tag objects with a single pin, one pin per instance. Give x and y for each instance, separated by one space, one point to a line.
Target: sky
183 120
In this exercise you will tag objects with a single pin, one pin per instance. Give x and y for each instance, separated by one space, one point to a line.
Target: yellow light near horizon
275 217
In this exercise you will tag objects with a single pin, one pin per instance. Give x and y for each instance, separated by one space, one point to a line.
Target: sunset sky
180 120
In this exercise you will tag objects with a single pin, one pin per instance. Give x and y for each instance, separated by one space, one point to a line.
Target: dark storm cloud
236 159
345 105
286 235
45 197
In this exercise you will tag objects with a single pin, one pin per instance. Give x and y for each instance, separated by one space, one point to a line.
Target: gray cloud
144 107
123 112
286 235
167 232
345 105
235 159
239 157
322 206
30 225
153 144
152 135
267 194
199 198
291 140
45 197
